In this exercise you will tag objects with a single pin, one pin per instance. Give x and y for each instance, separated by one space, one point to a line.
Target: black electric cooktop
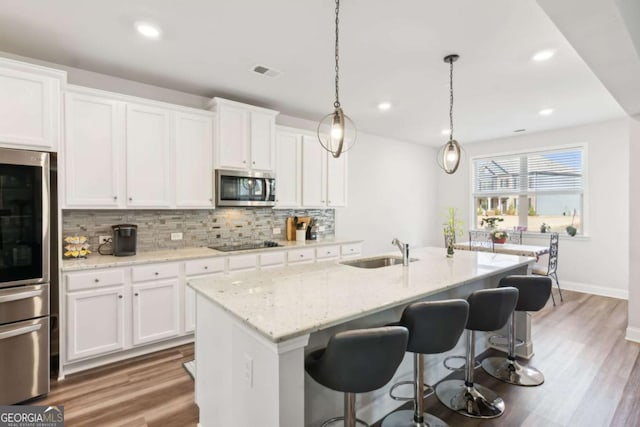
246 246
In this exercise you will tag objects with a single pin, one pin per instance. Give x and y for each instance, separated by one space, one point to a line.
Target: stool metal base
343 422
405 419
474 402
512 372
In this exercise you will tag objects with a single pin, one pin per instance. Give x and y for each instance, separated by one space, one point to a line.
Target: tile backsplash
199 227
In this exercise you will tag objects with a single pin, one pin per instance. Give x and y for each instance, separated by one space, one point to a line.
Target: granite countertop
288 302
107 261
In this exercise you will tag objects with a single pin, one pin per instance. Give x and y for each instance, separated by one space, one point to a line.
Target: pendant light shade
336 131
450 153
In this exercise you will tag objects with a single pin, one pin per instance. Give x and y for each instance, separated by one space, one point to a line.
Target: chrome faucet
404 249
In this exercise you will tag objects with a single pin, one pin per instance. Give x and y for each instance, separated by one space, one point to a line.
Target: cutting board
291 227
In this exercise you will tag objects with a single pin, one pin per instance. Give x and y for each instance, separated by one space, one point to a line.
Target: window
531 190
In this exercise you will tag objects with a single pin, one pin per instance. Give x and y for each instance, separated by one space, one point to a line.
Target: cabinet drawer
204 266
153 272
94 279
352 249
243 262
299 255
272 259
328 252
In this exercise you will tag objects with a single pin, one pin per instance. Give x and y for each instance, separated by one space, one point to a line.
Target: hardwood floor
592 379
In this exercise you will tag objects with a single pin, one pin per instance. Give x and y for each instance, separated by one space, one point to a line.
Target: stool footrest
502 341
336 419
476 365
428 391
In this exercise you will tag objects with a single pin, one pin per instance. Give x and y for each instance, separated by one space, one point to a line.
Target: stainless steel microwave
245 188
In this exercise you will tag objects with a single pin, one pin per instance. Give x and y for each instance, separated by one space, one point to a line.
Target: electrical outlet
248 370
276 230
176 236
321 228
104 239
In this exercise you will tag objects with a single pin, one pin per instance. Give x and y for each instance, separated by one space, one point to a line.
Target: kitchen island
253 330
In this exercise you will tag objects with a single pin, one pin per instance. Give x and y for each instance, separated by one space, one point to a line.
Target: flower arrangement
499 235
452 228
490 221
545 228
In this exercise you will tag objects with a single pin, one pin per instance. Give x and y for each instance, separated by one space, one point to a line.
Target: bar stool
434 327
533 296
489 310
358 361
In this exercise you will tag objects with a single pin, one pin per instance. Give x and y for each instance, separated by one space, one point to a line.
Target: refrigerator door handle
20 330
8 297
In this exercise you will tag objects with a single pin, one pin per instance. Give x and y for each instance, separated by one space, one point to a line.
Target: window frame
584 232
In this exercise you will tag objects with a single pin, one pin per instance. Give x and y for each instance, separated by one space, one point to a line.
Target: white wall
633 330
597 263
392 192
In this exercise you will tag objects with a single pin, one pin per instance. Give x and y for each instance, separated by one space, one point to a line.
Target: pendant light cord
336 104
450 99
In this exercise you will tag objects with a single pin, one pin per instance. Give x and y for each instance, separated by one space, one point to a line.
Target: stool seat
358 361
489 310
533 294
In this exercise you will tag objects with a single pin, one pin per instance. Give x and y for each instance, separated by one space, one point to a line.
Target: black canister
124 239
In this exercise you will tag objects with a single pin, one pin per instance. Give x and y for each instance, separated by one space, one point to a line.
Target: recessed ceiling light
148 30
543 55
445 131
384 106
546 112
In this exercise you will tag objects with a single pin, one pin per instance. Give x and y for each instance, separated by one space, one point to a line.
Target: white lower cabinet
351 250
95 322
155 311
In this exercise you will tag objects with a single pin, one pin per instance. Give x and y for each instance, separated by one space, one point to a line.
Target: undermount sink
377 262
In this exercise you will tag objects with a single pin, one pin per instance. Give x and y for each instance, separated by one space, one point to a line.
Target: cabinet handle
120 296
136 294
115 197
211 200
244 161
130 198
322 201
96 280
206 267
253 163
301 256
156 273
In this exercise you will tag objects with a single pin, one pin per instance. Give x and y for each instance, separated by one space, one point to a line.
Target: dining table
506 248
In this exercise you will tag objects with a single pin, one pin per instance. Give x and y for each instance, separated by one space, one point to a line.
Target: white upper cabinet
244 136
29 105
307 175
125 152
148 148
194 160
288 169
337 181
314 173
93 138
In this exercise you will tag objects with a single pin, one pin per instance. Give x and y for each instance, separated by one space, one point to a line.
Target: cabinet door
95 322
194 160
29 110
148 151
337 181
93 136
155 311
288 170
314 170
262 144
233 137
189 310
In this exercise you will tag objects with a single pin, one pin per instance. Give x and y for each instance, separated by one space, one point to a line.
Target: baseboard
594 290
633 334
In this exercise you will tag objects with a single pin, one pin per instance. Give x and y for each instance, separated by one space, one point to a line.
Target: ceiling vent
265 71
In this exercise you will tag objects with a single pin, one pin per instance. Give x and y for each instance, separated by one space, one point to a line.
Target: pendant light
449 155
342 130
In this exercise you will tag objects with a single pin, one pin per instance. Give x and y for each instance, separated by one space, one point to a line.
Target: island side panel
242 378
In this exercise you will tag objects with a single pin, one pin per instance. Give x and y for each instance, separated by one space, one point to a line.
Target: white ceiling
390 51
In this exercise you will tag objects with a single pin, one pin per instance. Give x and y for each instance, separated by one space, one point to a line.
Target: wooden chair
550 270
